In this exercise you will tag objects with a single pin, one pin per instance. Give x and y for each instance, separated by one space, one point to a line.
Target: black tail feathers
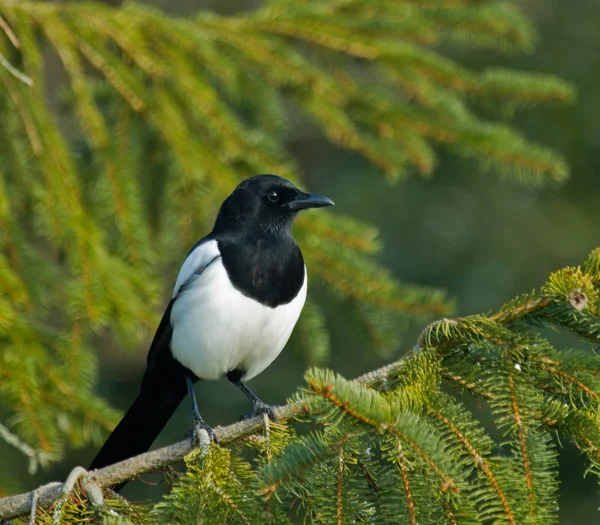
140 426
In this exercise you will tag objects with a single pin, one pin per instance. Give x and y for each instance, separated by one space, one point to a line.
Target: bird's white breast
217 329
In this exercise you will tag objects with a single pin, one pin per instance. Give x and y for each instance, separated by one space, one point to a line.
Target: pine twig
20 505
15 72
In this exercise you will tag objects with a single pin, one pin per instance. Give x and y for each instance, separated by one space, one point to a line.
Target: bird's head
268 203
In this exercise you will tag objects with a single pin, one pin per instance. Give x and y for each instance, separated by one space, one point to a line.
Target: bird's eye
273 196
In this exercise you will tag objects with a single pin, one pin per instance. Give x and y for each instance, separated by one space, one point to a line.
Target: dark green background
481 238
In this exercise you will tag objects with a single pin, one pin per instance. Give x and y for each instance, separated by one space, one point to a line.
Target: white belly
217 329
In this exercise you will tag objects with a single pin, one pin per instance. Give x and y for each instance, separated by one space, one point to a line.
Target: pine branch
370 73
406 483
20 505
400 393
340 488
522 431
479 460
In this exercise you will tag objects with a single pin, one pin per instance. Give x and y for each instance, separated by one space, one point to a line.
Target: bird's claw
261 408
196 435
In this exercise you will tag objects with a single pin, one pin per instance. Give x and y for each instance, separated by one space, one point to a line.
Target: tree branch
20 505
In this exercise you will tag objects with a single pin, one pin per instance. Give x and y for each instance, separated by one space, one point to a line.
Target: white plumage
195 262
217 329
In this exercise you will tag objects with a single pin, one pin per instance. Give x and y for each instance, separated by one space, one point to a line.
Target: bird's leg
260 407
199 423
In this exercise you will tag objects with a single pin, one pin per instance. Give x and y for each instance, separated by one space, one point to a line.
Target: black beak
303 201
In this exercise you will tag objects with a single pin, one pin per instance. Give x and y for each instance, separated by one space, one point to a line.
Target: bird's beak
309 200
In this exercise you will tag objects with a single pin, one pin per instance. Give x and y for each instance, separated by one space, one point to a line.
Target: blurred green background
479 237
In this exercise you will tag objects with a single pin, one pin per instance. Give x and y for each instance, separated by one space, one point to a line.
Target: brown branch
448 514
9 33
467 385
20 505
340 488
530 307
521 434
406 482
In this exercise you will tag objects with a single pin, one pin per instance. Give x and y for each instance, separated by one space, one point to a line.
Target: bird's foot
196 434
261 408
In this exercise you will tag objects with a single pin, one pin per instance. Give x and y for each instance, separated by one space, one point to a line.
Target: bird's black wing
161 341
163 386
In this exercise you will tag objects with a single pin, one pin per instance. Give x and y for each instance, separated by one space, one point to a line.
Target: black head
266 202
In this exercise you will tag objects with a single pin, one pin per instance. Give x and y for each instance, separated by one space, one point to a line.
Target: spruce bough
372 76
160 116
395 445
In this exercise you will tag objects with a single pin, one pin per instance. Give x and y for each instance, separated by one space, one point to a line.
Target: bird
236 300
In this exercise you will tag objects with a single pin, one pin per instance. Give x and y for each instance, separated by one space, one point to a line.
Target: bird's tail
140 426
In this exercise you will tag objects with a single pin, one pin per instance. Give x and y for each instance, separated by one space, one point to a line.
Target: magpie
235 303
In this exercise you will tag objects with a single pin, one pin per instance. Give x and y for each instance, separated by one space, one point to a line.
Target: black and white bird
235 303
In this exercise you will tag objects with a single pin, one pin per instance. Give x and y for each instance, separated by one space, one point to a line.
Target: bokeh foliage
105 183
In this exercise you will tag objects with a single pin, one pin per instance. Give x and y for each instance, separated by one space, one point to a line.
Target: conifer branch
406 482
327 391
340 488
9 32
14 71
509 395
552 366
130 70
197 103
20 505
478 460
35 456
465 384
521 432
312 460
